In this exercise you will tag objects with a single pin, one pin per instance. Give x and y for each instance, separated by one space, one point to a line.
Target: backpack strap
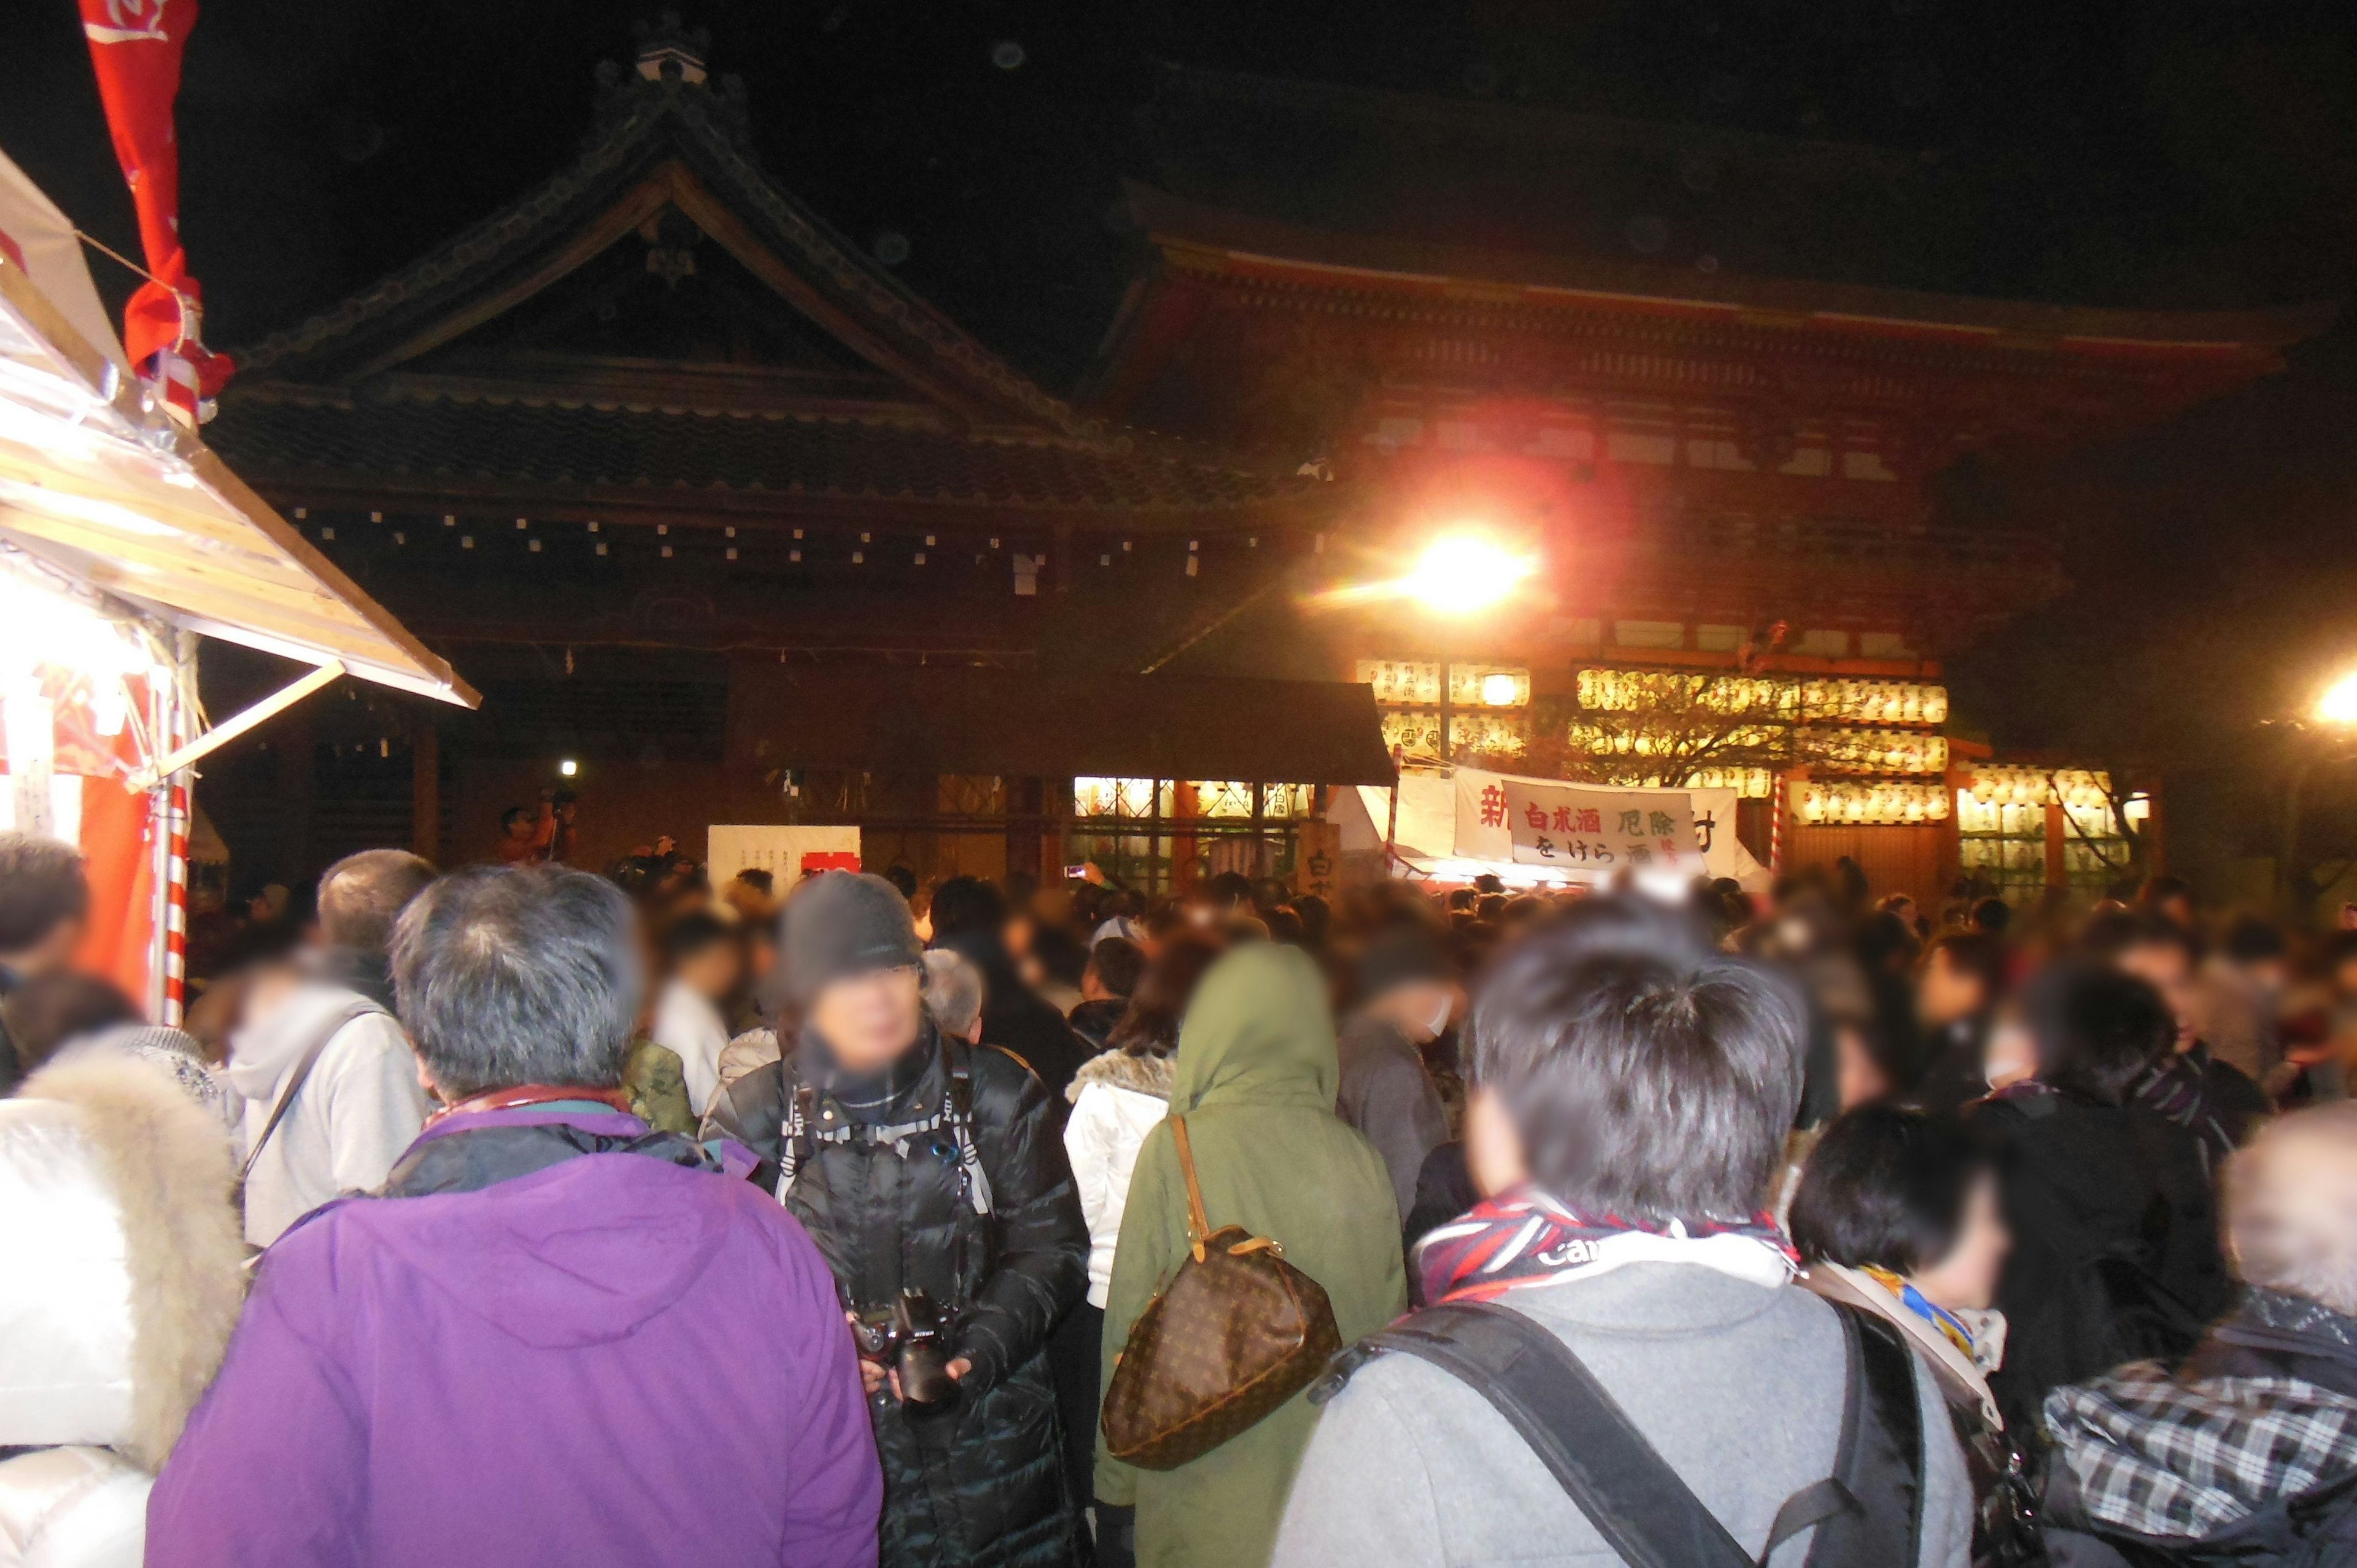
1867 1514
352 1012
1637 1503
1878 1462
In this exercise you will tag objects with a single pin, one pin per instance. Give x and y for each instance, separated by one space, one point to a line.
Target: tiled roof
640 123
452 442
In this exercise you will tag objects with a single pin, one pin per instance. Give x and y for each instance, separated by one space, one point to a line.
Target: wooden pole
425 792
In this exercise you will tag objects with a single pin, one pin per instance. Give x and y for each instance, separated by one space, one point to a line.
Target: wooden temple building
1656 359
710 505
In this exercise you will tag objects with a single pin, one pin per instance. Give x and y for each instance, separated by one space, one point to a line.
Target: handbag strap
1198 1227
1641 1506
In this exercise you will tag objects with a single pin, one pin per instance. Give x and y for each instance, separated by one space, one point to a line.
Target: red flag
136 45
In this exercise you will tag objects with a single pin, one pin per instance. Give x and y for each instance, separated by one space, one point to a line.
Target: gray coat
1388 1096
1738 1386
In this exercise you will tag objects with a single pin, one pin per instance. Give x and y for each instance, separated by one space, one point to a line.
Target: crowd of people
521 1215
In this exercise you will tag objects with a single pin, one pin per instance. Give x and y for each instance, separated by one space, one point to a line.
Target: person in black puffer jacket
2114 1222
970 920
918 1163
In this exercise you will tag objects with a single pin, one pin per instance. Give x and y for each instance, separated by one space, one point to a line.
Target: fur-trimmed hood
1119 1069
121 1263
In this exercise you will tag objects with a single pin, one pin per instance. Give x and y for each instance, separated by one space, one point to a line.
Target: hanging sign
136 48
1589 832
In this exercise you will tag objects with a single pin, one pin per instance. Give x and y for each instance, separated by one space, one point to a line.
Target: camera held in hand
910 1337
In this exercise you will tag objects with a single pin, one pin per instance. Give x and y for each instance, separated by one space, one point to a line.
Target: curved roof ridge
1378 261
636 115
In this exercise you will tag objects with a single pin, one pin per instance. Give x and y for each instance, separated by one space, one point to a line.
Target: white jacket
1116 1100
121 1284
689 1027
359 1110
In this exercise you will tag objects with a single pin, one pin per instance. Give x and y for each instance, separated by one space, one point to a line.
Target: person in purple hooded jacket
552 1337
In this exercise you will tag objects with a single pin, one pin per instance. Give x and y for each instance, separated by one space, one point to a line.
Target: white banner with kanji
1590 833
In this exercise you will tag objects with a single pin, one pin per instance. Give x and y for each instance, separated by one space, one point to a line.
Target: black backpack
1867 1514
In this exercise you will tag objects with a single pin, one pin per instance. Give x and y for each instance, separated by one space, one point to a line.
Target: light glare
1461 574
2340 704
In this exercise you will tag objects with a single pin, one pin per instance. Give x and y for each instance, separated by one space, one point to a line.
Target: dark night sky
2146 152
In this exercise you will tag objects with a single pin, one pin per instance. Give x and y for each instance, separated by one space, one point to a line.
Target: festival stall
1448 826
122 541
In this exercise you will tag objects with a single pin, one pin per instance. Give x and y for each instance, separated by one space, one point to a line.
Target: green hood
1258 1032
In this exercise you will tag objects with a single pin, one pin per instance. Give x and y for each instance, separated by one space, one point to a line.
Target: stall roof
100 483
1031 724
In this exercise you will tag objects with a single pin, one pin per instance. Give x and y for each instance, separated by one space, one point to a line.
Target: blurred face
870 1018
263 996
1422 1010
1493 1145
1947 993
2012 1055
54 953
714 972
2165 967
1860 1079
1965 1280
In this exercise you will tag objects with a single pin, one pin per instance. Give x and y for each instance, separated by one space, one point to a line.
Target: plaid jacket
2156 1456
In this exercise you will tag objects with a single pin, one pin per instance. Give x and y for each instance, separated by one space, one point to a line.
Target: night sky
2161 153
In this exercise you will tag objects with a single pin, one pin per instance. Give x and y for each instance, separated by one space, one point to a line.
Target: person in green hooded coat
1255 1075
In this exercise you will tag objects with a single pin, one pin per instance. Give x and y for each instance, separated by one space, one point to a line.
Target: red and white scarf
1523 1237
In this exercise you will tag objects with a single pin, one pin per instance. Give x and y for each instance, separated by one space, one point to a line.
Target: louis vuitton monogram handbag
1236 1333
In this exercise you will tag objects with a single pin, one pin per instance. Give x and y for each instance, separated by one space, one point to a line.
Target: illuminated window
1222 800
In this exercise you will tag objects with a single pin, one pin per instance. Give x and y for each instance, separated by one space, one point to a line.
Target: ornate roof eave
1197 238
715 505
659 143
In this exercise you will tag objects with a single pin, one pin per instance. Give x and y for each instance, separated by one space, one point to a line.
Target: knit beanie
842 924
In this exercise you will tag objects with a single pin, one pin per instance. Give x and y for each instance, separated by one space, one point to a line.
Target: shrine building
729 526
1599 343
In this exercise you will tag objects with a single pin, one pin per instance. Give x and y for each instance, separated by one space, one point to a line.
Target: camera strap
793 1137
976 1181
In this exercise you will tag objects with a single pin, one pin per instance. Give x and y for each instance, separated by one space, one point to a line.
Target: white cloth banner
35 236
1586 830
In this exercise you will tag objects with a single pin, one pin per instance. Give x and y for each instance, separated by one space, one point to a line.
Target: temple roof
1672 210
452 442
659 325
1243 245
661 144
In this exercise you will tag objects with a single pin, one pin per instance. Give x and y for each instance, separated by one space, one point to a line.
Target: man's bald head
2291 1207
363 894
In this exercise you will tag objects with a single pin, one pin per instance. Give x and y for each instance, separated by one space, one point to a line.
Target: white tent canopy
98 482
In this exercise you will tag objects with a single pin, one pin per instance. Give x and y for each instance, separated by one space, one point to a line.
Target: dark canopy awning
1018 722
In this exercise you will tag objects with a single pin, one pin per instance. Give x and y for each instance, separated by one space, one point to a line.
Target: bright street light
2339 706
568 768
1463 573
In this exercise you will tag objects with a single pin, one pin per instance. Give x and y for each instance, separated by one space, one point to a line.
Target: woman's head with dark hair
1654 1080
1158 1006
1880 1052
965 904
49 1012
1316 920
1885 1187
2095 1030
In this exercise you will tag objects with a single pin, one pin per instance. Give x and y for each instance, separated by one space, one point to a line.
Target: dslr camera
911 1338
